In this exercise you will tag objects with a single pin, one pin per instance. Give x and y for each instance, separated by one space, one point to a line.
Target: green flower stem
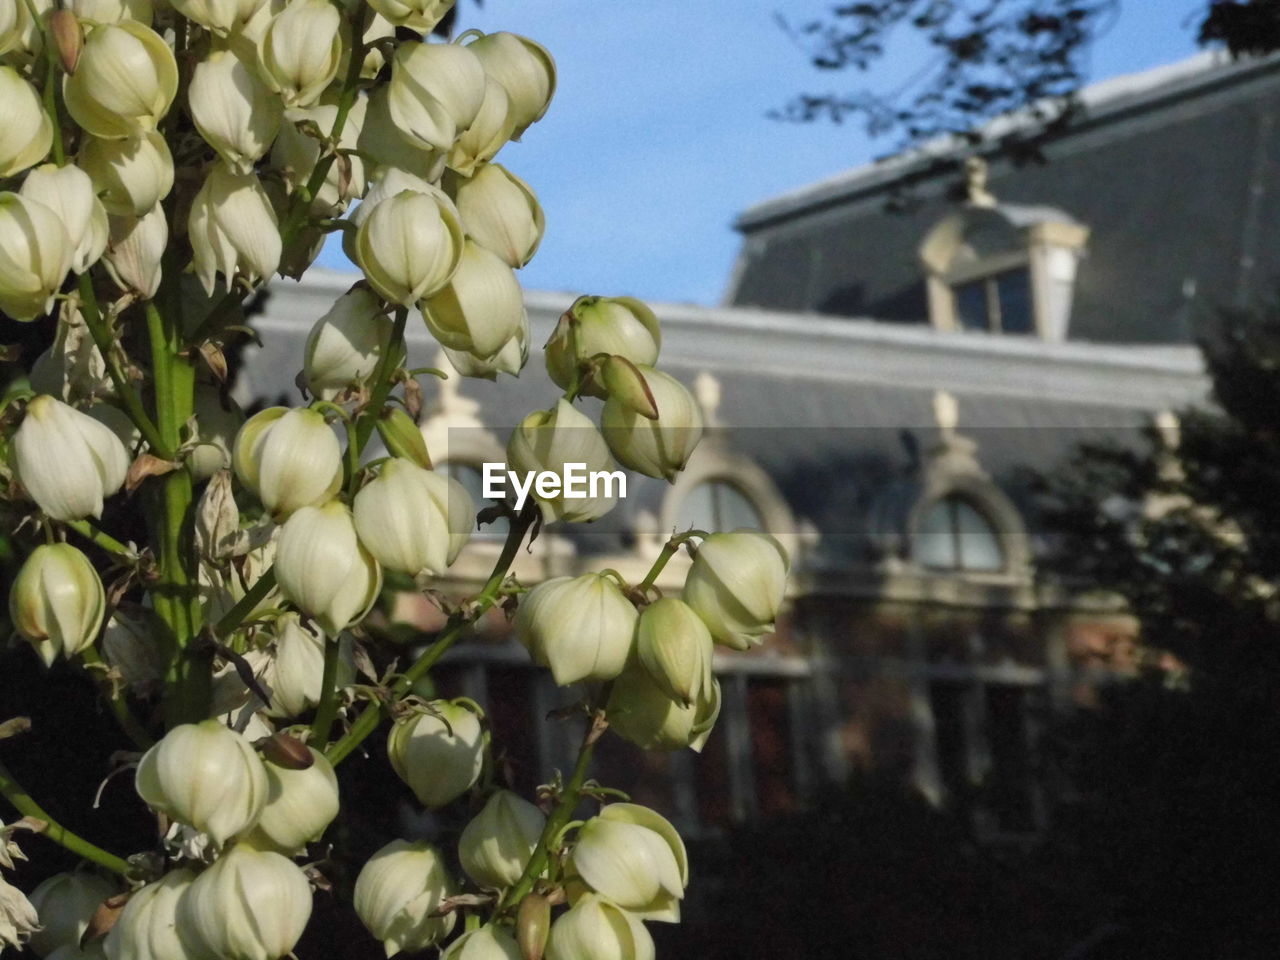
102 540
327 710
382 381
25 805
669 550
115 699
238 614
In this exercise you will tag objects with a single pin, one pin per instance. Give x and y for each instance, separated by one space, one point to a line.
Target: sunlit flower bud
21 36
147 928
300 805
618 326
218 420
546 440
35 259
439 755
501 213
12 19
124 83
410 245
296 153
488 133
112 11
496 845
481 308
345 345
581 627
413 520
323 568
398 890
296 677
736 585
436 92
389 182
639 711
69 193
66 902
220 16
301 50
250 905
402 436
234 111
634 856
206 776
676 649
420 16
595 929
655 447
27 133
486 943
130 175
67 461
387 148
290 459
135 251
57 601
233 228
510 358
132 643
118 422
525 68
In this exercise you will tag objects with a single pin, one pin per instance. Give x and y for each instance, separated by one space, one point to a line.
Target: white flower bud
618 326
18 919
124 83
21 36
233 228
137 247
438 755
66 902
296 153
289 458
250 905
633 856
296 676
396 893
57 601
345 345
387 147
206 776
525 68
496 845
420 16
487 943
436 92
69 193
481 308
413 520
112 11
147 928
389 182
581 627
132 643
26 132
736 585
410 245
300 805
218 420
595 929
301 50
220 16
67 461
640 712
657 448
35 259
118 422
547 440
235 112
510 358
488 133
676 649
501 213
132 175
323 568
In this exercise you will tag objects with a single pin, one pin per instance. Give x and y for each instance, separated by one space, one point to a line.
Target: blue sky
658 135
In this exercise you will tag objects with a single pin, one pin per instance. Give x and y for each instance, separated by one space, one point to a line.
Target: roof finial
976 175
946 413
706 389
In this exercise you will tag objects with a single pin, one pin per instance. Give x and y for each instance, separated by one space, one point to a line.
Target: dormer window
997 303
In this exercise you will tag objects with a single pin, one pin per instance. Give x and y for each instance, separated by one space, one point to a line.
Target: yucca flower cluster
160 161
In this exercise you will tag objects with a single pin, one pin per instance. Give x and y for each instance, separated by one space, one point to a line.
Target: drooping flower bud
65 903
206 776
496 845
420 16
410 245
501 213
581 627
595 929
37 256
132 175
296 153
218 420
147 928
525 68
28 131
112 11
439 755
655 447
436 92
301 50
289 458
67 461
413 520
618 326
235 112
485 943
546 440
69 193
640 712
383 143
220 16
233 228
676 648
634 856
296 677
250 905
345 345
135 251
57 601
398 890
533 926
488 133
510 358
323 568
736 585
389 182
402 437
124 83
300 805
481 308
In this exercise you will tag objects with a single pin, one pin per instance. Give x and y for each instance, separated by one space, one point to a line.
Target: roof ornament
946 414
976 176
707 391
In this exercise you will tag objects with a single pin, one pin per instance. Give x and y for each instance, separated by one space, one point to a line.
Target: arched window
717 506
468 474
952 534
